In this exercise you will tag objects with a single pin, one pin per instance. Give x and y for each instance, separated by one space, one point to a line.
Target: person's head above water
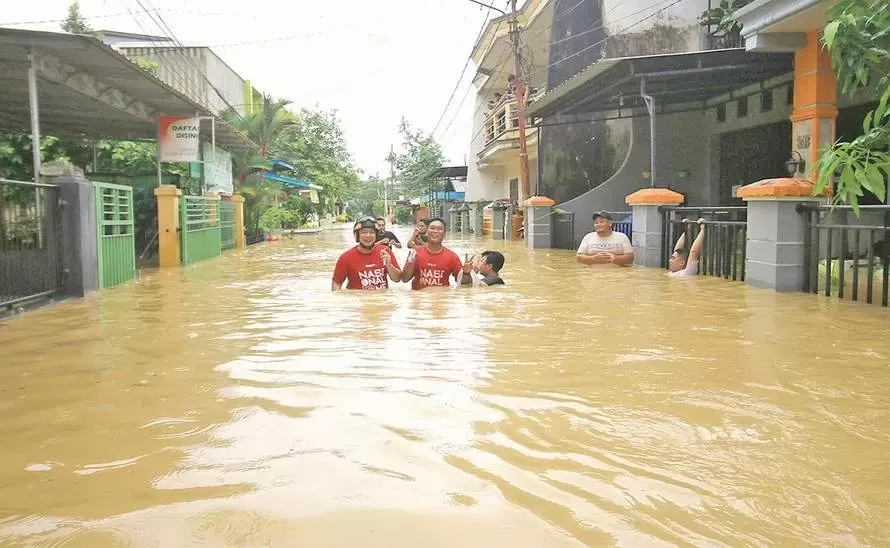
602 223
678 260
436 231
365 231
491 264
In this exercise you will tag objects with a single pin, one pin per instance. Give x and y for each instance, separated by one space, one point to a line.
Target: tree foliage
75 23
858 38
418 158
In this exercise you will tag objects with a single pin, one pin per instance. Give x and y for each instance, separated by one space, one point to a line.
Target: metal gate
30 242
227 225
564 230
200 224
117 235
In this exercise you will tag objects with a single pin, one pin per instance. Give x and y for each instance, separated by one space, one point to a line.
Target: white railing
502 118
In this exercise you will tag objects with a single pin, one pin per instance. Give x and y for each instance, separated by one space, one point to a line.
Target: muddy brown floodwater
241 403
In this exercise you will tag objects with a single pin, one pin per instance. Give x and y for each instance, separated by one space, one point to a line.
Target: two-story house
493 169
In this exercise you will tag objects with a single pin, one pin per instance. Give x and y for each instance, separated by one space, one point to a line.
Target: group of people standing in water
371 264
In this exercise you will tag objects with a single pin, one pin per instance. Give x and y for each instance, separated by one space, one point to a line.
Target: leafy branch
858 38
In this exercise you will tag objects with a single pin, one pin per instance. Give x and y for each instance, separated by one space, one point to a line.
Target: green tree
75 23
420 156
858 38
315 146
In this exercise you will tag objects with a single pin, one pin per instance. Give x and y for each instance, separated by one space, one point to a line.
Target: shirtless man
419 236
603 246
366 265
684 262
432 265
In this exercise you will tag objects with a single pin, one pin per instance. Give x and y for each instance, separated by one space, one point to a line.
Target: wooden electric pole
521 97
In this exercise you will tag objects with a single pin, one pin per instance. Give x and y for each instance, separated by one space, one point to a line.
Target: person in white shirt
684 262
603 246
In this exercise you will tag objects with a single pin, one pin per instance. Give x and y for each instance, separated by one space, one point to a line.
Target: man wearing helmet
366 265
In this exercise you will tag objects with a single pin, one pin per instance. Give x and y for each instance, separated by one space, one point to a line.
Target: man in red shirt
367 264
433 264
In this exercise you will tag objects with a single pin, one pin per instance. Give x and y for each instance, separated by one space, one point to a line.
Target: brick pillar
168 225
774 254
477 216
539 219
498 218
465 219
648 226
815 102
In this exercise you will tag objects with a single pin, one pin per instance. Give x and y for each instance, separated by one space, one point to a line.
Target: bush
342 218
403 215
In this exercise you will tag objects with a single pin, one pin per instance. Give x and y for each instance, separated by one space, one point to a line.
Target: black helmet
364 222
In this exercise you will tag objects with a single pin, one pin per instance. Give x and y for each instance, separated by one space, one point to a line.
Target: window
721 113
790 94
766 100
741 107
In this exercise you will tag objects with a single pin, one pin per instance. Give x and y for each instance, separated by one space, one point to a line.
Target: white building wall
481 184
227 81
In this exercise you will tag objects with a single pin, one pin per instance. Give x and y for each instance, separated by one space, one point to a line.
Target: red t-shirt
363 270
434 269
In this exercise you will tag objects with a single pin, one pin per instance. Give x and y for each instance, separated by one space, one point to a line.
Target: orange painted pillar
815 102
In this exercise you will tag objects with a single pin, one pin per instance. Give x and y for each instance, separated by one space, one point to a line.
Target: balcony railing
502 118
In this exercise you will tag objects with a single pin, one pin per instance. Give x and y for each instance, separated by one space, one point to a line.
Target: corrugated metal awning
86 89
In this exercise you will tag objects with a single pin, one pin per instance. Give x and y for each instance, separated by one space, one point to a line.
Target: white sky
373 61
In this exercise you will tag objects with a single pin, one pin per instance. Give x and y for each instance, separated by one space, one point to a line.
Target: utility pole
521 98
392 178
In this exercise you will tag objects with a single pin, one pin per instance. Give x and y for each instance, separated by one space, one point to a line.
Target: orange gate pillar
815 102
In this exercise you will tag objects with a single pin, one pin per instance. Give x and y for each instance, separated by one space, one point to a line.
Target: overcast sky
373 61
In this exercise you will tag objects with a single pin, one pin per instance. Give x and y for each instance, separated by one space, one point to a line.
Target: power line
462 71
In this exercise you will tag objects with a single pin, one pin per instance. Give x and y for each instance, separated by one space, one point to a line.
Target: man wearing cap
603 246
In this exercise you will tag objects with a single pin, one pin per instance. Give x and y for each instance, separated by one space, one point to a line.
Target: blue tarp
269 176
449 196
282 164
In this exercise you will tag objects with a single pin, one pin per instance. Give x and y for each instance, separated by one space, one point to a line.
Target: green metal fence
117 238
227 225
200 224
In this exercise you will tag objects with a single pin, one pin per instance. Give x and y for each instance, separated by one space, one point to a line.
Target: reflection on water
241 403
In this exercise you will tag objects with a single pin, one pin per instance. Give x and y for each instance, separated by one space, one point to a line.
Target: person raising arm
684 262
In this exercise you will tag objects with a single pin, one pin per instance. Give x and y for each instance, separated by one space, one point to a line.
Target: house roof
677 78
86 88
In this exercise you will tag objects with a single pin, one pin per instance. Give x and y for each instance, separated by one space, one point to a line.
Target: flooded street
240 402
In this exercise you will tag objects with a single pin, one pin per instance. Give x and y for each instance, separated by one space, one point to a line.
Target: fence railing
30 242
723 252
847 256
563 227
117 234
623 223
227 225
200 225
255 238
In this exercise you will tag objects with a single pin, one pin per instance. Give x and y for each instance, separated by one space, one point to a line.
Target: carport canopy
678 81
86 89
